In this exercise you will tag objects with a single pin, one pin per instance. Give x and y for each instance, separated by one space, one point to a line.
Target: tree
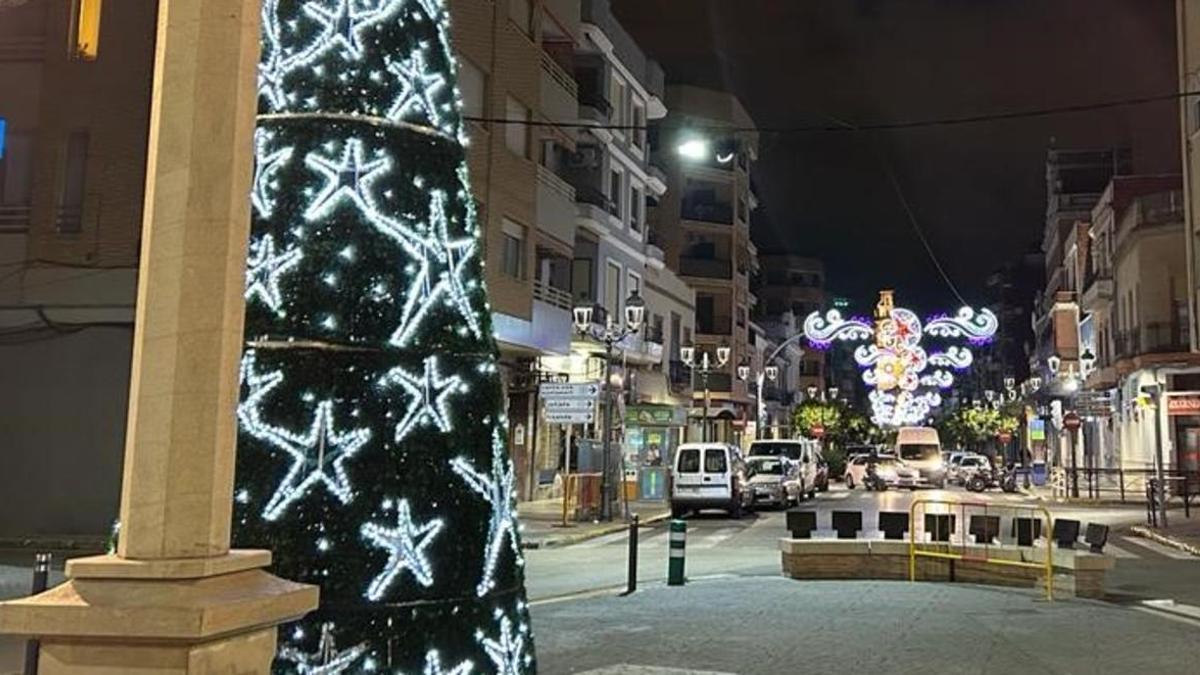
371 458
976 428
844 426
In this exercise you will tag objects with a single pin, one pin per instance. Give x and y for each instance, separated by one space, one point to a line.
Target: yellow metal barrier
945 549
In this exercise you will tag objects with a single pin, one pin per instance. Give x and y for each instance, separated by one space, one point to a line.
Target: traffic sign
817 431
1004 437
1071 421
568 404
550 390
570 417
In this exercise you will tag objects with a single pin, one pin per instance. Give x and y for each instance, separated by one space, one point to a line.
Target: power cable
844 128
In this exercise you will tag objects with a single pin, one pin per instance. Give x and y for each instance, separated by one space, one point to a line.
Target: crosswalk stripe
603 540
1160 549
836 495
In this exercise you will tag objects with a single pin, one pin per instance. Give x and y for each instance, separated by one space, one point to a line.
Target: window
635 284
473 84
521 13
639 121
689 460
617 99
16 170
582 283
714 461
516 136
612 291
676 323
70 200
615 193
86 30
513 263
636 208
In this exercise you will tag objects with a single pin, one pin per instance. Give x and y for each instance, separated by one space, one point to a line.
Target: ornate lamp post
610 335
767 373
704 365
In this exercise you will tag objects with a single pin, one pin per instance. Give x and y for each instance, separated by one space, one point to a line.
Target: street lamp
767 373
610 334
704 365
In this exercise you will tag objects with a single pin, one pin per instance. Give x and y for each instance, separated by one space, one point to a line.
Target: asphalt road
719 547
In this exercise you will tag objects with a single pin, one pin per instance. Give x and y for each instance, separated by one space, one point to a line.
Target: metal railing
1124 485
559 75
1161 337
709 268
14 219
680 376
714 325
708 212
980 552
69 220
555 297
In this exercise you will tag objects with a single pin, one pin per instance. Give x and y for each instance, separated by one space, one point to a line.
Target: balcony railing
708 212
555 297
716 382
680 376
588 194
1153 338
714 325
559 75
1159 208
708 268
14 219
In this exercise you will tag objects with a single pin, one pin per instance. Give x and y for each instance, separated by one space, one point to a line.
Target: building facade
702 225
795 285
72 172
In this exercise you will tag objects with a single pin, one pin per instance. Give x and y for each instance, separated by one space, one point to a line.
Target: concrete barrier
1078 573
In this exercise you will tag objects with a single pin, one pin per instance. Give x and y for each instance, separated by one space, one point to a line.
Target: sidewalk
1183 534
541 522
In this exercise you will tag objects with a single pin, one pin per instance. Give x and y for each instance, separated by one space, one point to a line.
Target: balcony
1098 293
594 107
708 212
1153 338
555 207
680 377
708 324
717 382
548 330
707 268
560 93
14 219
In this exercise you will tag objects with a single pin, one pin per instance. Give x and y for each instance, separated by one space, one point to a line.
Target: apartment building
703 227
564 203
795 285
1187 26
77 75
1137 325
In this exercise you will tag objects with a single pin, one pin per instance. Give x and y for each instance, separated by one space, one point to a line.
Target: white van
920 450
813 474
709 476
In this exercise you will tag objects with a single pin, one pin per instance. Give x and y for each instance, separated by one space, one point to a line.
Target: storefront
1183 414
652 434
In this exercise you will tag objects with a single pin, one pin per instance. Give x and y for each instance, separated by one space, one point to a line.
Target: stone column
174 599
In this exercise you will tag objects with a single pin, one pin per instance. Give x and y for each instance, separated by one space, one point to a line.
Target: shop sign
1183 405
655 416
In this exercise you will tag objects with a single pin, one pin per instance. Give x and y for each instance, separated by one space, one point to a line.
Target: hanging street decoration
371 458
895 361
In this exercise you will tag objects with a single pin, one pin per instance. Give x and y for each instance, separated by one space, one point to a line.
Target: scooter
982 480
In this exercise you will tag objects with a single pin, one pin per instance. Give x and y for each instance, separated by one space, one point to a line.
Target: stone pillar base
160 617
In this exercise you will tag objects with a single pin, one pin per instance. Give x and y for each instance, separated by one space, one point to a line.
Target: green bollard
675 562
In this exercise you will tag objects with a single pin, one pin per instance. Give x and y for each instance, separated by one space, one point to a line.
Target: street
718 546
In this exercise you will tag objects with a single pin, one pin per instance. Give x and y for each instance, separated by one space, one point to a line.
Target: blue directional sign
3 129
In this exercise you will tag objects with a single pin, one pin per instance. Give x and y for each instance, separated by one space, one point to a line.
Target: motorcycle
872 480
985 479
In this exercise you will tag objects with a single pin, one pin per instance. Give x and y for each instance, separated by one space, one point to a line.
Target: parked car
967 466
856 468
920 449
774 481
814 470
710 476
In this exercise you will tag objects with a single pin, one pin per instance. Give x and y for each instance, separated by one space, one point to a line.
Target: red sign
817 431
1071 421
1004 437
1183 405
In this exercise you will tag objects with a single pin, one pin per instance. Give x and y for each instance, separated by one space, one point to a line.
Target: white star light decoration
327 660
265 168
406 544
418 86
507 651
264 269
348 178
496 487
318 457
344 24
433 665
428 394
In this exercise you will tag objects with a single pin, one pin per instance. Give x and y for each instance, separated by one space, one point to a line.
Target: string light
496 487
406 544
428 395
265 268
507 651
433 665
327 660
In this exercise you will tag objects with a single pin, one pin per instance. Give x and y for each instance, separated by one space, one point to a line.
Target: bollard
675 562
41 578
631 584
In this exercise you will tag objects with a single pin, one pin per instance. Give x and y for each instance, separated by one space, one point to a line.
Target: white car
774 481
966 467
856 469
710 476
804 453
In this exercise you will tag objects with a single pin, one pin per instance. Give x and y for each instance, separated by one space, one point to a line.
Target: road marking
603 540
713 540
1160 549
836 495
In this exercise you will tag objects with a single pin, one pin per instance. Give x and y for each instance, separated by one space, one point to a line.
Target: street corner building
371 454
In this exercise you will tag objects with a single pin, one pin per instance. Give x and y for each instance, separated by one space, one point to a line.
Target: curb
568 539
1147 533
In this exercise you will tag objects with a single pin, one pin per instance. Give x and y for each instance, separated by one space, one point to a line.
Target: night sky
977 190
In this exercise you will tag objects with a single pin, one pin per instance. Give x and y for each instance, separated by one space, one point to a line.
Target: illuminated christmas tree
370 455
